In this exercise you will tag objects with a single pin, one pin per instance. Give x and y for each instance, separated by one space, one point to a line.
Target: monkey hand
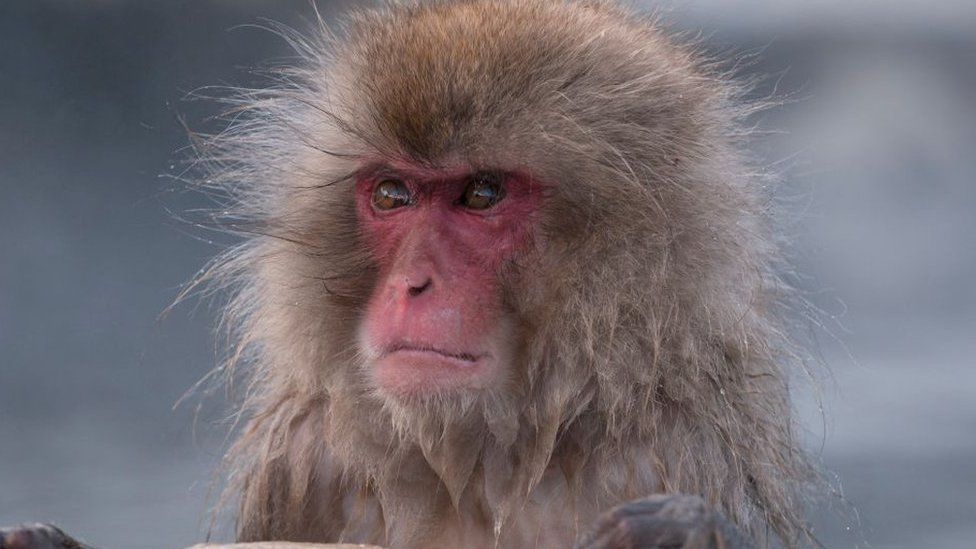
38 536
664 521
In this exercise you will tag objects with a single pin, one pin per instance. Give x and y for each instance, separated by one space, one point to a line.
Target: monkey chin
420 372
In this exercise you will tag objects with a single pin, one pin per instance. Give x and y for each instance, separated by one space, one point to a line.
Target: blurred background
879 145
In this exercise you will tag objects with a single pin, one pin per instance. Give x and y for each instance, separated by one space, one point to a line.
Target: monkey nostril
415 290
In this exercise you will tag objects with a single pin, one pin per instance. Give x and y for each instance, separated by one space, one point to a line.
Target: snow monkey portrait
507 281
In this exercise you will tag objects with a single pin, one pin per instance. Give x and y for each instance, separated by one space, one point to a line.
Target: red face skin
434 323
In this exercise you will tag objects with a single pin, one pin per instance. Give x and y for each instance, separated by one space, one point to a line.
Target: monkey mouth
415 370
424 349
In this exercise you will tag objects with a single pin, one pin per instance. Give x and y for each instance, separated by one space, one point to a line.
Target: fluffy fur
652 357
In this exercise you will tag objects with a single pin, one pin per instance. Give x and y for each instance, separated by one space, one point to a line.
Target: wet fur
652 354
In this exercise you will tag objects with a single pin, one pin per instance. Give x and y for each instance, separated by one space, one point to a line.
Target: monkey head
487 242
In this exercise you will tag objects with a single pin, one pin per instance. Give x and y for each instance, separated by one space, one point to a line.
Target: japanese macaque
506 275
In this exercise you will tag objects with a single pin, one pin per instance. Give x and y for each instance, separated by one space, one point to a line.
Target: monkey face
435 324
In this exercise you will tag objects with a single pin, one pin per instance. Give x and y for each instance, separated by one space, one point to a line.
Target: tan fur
651 359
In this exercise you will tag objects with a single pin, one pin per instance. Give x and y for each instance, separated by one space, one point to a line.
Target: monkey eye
390 194
483 191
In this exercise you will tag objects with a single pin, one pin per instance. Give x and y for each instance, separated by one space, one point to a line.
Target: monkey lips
408 370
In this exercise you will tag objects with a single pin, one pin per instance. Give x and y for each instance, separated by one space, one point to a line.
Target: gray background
879 151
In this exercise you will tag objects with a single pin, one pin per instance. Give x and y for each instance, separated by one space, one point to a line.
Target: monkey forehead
448 76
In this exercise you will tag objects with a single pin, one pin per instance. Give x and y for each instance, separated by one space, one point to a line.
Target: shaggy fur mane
653 357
